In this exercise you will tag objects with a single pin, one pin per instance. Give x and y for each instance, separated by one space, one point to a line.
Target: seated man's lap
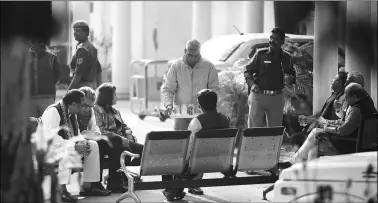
325 146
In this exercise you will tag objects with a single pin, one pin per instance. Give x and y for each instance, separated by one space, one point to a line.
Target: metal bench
165 153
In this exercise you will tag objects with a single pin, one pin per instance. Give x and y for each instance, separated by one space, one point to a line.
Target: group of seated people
86 121
94 128
88 124
340 116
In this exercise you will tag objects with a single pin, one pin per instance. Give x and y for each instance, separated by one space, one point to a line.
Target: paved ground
247 193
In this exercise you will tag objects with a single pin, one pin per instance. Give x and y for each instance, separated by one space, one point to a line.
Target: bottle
184 109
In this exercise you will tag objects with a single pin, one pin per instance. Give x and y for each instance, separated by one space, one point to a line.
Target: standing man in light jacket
187 76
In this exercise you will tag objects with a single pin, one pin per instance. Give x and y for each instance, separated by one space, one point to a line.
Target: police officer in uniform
84 64
266 75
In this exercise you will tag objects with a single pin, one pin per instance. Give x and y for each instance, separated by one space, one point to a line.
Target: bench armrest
123 165
337 137
130 176
124 153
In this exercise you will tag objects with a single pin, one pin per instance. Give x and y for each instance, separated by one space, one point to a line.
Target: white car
343 178
225 50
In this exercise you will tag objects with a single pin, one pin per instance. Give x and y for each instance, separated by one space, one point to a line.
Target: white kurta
50 120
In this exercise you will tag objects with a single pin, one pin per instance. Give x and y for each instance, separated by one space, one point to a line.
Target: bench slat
213 151
164 153
205 182
259 148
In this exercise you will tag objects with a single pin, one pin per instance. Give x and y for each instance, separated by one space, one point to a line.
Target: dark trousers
114 154
298 138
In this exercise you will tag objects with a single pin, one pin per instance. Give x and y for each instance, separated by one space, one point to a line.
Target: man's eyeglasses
88 106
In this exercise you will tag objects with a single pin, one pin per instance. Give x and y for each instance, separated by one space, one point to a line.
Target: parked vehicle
344 178
230 52
225 50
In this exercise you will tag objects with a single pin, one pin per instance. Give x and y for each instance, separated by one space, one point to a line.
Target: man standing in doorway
84 64
187 76
266 75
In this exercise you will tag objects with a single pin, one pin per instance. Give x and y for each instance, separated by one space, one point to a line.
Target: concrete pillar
219 19
269 21
325 52
201 17
80 11
97 20
253 16
121 47
358 13
341 24
137 27
374 69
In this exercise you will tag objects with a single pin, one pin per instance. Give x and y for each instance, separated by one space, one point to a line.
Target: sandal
67 197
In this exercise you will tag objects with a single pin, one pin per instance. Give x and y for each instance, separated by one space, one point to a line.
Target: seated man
354 77
89 129
360 104
209 119
328 111
62 115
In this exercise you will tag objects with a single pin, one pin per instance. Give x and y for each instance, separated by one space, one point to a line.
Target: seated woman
110 122
328 111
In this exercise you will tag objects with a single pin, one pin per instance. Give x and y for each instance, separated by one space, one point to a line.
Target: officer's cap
193 47
81 24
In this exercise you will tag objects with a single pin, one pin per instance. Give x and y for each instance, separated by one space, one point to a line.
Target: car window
228 52
220 48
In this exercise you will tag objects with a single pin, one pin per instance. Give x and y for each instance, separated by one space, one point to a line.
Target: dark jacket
63 133
350 128
267 71
85 62
328 111
44 73
213 120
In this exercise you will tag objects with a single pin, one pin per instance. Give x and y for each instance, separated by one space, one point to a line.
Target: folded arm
352 122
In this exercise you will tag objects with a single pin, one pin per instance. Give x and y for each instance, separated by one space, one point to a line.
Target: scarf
65 122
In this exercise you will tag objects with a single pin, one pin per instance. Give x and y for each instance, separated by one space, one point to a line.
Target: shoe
98 185
174 194
251 173
65 196
195 191
95 192
284 165
119 188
